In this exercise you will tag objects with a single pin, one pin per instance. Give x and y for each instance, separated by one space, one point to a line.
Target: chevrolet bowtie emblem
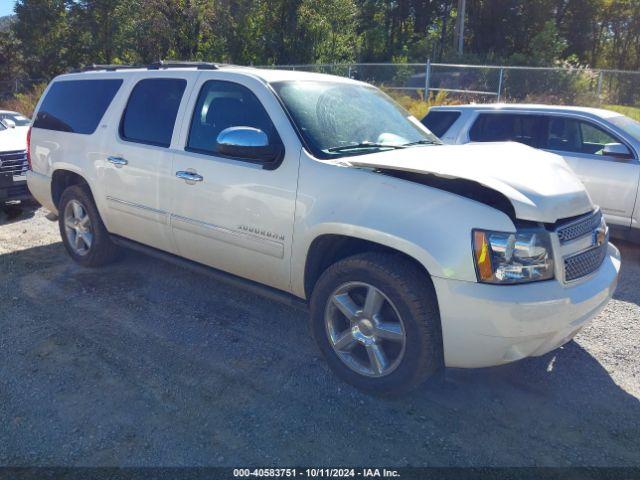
600 236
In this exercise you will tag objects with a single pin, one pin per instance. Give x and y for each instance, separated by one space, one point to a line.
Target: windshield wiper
357 146
421 142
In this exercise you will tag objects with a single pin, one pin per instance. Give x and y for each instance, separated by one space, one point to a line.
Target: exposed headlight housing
508 258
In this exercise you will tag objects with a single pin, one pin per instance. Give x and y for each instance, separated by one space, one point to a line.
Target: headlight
504 258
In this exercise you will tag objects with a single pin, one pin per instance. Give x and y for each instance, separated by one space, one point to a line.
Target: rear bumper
40 187
485 325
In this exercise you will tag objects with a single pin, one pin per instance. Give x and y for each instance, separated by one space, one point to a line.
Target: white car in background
13 157
602 147
15 119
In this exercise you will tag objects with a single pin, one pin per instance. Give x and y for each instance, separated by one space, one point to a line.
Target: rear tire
375 319
83 233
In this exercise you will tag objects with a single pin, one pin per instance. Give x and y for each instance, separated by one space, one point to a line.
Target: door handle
117 161
189 177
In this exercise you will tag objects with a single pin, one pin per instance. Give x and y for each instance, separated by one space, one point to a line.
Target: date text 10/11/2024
316 473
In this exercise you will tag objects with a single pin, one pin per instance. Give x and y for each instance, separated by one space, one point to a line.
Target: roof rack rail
159 65
182 64
108 68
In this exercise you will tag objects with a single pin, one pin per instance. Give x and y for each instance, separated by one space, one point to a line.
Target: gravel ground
146 364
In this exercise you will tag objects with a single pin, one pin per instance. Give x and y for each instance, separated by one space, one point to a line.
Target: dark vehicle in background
14 128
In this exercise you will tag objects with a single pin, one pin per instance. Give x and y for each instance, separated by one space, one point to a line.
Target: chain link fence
494 83
483 83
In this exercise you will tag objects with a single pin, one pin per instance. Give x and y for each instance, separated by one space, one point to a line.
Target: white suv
412 255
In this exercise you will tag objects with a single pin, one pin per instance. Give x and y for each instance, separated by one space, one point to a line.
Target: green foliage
42 28
10 56
48 37
546 45
328 30
632 112
402 74
24 102
416 104
6 23
574 85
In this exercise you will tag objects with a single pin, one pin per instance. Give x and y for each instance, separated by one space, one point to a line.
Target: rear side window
439 122
76 106
499 127
151 112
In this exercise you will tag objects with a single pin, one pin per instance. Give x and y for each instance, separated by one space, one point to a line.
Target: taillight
29 148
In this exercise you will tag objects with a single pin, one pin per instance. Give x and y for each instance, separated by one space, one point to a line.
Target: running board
219 275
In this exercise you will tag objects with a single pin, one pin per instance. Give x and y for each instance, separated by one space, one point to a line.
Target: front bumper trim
485 325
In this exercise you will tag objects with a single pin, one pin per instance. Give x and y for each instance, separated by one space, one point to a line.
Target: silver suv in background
601 146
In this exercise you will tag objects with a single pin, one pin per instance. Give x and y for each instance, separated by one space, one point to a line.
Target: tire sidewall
80 194
403 377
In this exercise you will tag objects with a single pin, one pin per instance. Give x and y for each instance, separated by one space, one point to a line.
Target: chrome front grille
593 250
579 228
582 264
13 163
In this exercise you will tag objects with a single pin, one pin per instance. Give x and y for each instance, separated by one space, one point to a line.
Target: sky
6 7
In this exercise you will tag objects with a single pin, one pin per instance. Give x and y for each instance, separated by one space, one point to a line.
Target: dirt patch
144 363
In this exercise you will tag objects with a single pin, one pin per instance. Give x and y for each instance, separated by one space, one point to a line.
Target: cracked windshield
339 119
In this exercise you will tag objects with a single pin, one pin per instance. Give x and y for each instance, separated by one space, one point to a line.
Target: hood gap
459 186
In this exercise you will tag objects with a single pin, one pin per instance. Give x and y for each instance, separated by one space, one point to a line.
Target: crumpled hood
13 139
540 185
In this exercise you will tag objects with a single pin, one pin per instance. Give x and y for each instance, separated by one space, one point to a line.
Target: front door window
577 136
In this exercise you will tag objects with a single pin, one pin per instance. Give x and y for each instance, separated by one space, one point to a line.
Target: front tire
375 319
83 233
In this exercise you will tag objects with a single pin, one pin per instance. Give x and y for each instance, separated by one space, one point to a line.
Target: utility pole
458 37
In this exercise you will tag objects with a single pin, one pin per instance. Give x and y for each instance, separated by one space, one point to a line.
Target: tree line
47 37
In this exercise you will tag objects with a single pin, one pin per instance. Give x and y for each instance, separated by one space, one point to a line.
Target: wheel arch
329 248
61 179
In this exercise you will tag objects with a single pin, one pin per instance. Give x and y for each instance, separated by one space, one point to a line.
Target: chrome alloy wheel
77 226
365 329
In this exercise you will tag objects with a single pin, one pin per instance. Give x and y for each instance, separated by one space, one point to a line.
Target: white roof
269 75
266 74
598 112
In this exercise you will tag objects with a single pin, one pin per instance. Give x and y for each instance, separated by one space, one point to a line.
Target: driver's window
577 136
222 105
594 139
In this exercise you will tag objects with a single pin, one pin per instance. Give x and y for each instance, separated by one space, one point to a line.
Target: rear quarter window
438 122
151 112
76 106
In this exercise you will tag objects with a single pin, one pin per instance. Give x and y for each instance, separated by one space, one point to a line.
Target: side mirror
9 123
617 150
247 142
